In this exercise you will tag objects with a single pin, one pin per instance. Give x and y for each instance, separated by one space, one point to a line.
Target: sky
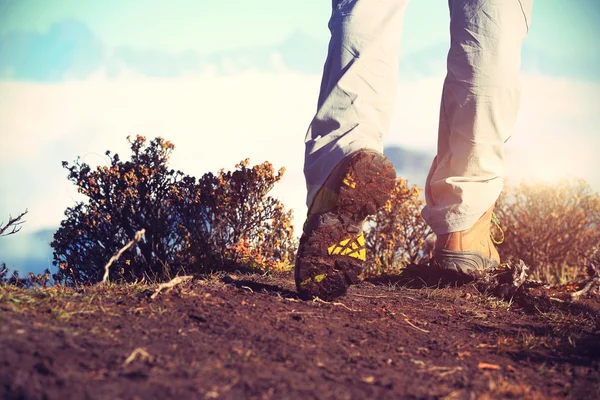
229 80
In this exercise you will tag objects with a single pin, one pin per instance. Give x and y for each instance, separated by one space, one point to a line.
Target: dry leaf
493 367
368 379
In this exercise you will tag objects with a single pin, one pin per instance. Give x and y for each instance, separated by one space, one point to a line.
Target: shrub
123 198
397 235
553 228
189 225
250 218
232 214
32 281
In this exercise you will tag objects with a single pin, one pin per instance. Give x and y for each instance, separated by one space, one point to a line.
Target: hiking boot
468 252
332 247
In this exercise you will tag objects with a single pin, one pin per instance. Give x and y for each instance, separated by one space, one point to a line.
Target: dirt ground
249 337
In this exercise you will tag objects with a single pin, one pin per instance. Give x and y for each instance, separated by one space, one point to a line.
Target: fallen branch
169 285
136 239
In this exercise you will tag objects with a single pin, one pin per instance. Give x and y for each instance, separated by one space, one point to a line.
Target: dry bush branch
138 237
15 223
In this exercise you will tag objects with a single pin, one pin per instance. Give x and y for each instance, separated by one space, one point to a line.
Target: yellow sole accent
349 181
361 239
317 279
305 282
355 249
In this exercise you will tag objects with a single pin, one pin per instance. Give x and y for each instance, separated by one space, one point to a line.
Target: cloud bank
216 121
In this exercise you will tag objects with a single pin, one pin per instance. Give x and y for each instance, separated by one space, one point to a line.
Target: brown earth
249 336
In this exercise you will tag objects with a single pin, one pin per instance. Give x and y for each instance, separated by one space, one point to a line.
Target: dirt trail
246 336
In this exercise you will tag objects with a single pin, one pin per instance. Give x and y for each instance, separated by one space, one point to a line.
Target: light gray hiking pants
479 103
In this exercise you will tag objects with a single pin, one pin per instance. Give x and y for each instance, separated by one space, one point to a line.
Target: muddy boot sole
332 249
463 263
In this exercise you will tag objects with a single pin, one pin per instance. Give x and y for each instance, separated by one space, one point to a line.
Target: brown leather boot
469 251
332 248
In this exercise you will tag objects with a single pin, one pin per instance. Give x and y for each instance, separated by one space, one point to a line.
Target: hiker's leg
358 88
478 110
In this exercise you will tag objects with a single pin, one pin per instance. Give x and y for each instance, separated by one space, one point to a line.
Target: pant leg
479 106
359 84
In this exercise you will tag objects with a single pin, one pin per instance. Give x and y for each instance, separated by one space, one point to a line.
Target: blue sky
230 80
44 40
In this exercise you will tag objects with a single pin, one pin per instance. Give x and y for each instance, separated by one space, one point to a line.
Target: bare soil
249 337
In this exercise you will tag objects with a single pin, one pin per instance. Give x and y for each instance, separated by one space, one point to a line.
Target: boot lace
496 222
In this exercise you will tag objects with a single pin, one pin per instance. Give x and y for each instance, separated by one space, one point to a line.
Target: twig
300 312
370 297
169 285
291 299
444 370
413 325
450 372
318 300
14 222
137 352
136 239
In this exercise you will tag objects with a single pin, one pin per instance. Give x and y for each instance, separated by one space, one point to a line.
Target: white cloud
217 121
214 122
556 134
